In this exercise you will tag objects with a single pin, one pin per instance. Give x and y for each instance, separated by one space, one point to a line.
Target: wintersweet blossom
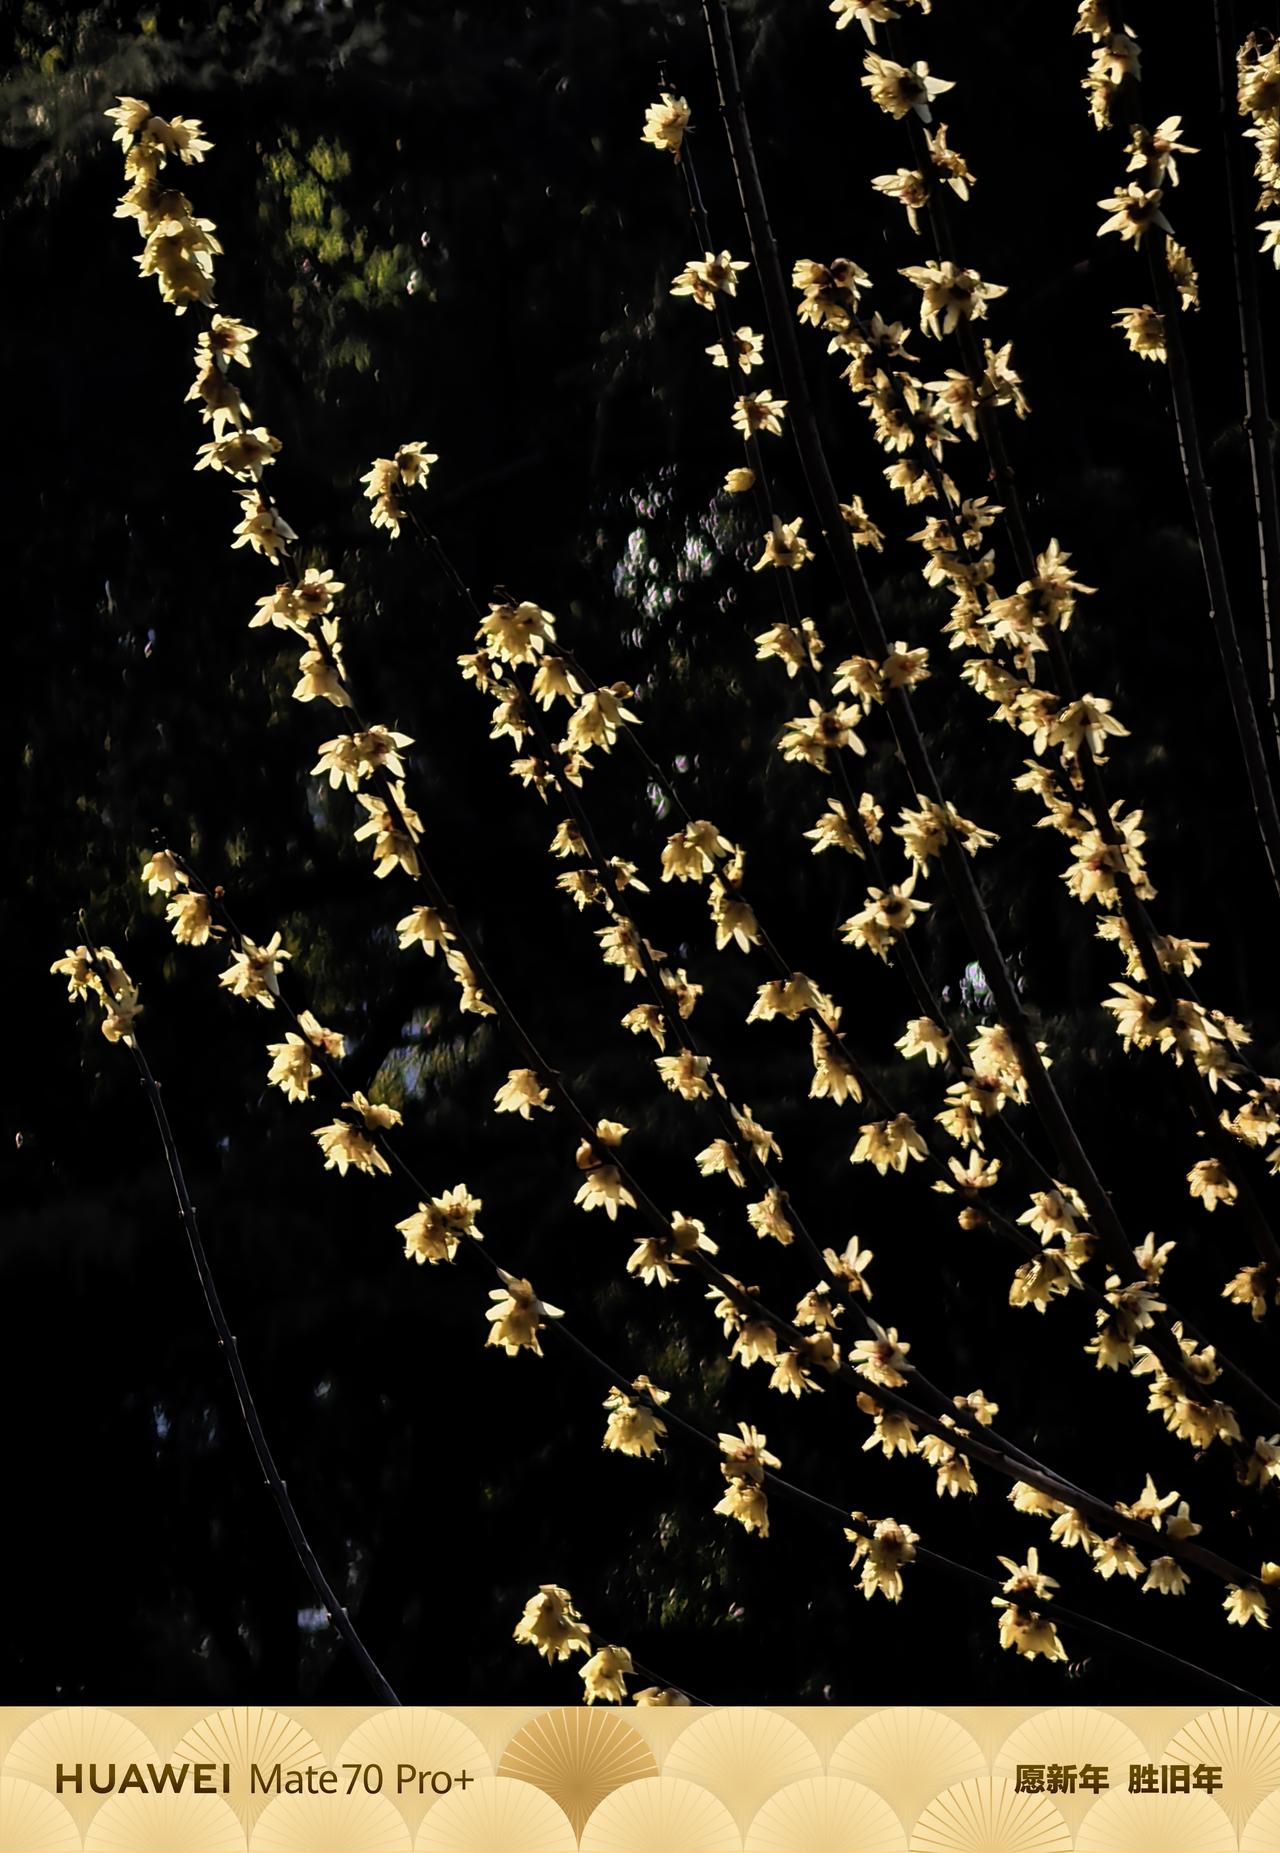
707 277
746 352
665 123
436 1229
950 295
552 1624
604 1675
882 1555
634 1426
517 1316
898 89
346 1147
889 1144
784 546
1132 211
254 971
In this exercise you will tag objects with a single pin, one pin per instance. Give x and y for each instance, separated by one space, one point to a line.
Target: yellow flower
516 1317
472 1000
635 1427
346 1147
329 1040
881 1359
898 89
1143 329
292 1069
1150 1506
784 546
225 339
435 1230
162 874
552 1624
1211 1182
748 1503
950 295
602 1187
769 1217
242 453
922 1036
1245 1605
665 123
377 1116
1154 149
254 971
1116 1557
909 187
889 1145
747 351
834 1076
394 830
706 278
739 482
1028 1580
424 927
1132 211
1027 1632
604 1675
1167 1577
882 1555
757 412
867 13
191 918
520 1093
262 527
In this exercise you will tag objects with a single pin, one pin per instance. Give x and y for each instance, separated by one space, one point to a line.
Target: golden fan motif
577 1756
415 1737
908 1755
496 1813
826 1814
661 1815
1261 1832
987 1815
77 1734
744 1755
241 1737
1245 1744
330 1824
137 1823
1124 1823
32 1820
1076 1735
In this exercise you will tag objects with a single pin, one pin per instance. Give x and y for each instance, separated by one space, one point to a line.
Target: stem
1257 416
342 1621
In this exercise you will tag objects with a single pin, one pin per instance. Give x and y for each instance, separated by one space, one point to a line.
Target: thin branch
278 1488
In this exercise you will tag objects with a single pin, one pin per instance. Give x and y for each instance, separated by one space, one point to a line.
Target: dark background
444 223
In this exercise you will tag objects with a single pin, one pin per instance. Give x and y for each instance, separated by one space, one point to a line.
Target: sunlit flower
746 352
517 1316
898 89
254 971
604 1675
1132 211
552 1624
706 278
634 1427
665 123
345 1148
436 1229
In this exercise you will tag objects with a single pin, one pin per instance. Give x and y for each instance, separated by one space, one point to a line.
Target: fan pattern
735 1779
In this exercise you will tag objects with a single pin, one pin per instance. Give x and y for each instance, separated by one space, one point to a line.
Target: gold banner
504 1779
